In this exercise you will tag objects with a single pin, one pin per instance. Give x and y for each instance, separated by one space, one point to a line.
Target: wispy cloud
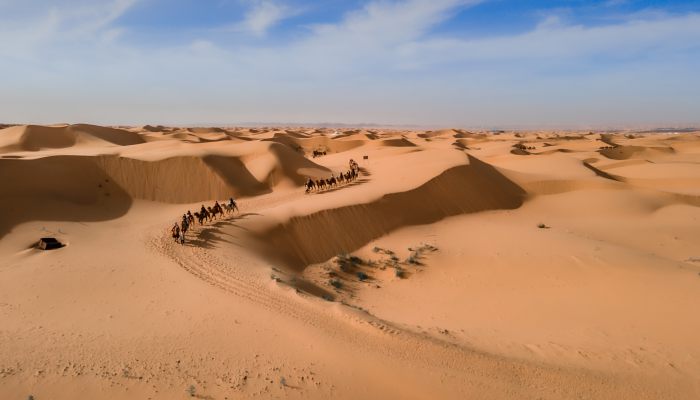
263 15
553 43
389 22
63 21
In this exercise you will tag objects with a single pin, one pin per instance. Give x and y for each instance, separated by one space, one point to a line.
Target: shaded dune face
314 238
101 188
60 188
179 180
627 152
309 144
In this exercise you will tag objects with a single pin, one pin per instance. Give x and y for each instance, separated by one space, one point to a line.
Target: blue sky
467 63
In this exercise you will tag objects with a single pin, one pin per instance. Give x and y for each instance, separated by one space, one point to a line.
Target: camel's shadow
209 236
347 185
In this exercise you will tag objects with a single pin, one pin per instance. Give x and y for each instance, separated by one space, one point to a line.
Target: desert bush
346 262
355 260
336 283
362 276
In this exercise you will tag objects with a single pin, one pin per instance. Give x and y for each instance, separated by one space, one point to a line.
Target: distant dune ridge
35 138
458 264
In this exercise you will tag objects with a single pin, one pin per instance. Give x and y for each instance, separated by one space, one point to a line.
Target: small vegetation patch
336 283
417 253
346 262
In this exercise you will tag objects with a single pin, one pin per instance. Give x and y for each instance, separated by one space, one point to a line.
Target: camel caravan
333 182
205 214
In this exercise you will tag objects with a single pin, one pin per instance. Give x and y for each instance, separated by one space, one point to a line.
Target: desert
456 263
350 199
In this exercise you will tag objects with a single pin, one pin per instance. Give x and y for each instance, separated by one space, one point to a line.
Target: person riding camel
185 222
232 204
203 211
175 231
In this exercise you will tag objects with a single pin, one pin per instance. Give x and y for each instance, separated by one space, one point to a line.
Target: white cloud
64 21
263 15
551 43
388 22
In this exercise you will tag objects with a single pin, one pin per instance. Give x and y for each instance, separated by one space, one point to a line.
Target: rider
203 211
232 203
182 236
175 231
185 222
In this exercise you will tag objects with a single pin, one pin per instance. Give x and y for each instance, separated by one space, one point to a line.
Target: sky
458 63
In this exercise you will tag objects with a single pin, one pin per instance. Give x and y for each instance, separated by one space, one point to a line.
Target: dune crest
465 189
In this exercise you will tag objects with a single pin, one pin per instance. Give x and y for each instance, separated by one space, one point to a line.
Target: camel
190 218
216 210
175 231
183 231
203 214
213 211
310 185
230 208
232 205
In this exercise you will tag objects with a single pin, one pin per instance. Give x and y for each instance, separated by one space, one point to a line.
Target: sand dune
77 189
35 138
439 134
401 142
319 143
459 264
459 190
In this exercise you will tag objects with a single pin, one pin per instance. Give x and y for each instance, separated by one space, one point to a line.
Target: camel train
333 181
205 214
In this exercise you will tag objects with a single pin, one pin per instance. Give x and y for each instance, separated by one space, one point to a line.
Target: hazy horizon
441 63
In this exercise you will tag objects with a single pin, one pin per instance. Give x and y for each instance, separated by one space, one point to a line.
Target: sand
460 264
